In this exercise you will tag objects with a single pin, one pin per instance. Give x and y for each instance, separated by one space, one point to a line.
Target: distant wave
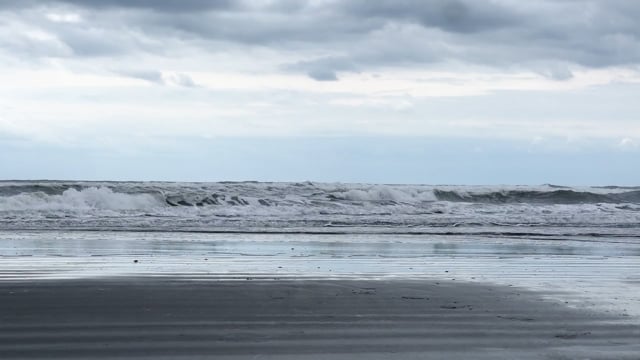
540 197
122 196
234 205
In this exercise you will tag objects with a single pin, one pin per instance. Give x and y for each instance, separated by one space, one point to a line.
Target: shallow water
585 272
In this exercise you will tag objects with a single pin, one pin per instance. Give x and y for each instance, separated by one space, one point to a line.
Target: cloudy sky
402 91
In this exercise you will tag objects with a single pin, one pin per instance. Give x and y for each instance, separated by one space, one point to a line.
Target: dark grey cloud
158 5
155 5
450 15
96 42
324 69
547 37
322 74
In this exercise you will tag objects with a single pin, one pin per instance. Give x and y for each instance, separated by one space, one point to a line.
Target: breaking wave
243 205
540 197
145 196
84 199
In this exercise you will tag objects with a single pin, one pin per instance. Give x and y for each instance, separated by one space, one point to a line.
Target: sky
402 91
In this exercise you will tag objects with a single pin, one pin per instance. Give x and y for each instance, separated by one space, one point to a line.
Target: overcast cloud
116 73
353 35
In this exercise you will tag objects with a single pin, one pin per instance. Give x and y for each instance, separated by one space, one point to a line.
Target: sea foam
102 198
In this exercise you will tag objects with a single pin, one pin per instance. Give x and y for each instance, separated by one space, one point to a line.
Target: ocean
307 207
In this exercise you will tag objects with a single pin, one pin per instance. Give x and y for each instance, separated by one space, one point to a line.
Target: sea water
319 207
579 245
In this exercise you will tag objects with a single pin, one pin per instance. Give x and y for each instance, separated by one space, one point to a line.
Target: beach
169 318
315 297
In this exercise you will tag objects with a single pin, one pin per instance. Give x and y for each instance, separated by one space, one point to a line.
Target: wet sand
136 295
166 317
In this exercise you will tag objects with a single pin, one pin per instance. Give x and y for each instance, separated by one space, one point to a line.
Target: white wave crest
388 193
92 198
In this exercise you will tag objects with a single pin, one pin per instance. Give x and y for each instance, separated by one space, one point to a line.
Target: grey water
545 210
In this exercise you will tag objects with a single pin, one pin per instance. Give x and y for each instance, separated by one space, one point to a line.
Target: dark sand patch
164 317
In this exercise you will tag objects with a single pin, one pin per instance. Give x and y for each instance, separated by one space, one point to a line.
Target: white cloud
395 103
628 144
66 107
64 17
